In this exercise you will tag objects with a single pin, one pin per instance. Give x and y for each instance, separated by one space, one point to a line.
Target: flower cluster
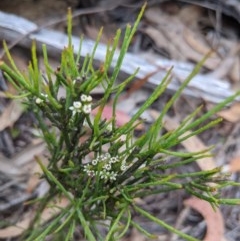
85 105
106 167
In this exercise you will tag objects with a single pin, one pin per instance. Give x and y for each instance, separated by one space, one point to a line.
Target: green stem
163 224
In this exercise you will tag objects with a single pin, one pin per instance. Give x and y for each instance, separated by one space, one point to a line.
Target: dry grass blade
231 114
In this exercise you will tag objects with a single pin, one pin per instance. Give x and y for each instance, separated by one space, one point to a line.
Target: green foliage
96 164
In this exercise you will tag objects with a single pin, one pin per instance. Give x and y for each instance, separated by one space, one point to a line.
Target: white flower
114 159
123 166
109 127
107 167
108 175
83 98
89 98
38 101
44 95
94 162
104 157
76 107
77 104
104 166
78 79
87 108
91 173
104 174
86 98
87 169
113 176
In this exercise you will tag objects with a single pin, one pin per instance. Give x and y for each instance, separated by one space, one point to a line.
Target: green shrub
100 167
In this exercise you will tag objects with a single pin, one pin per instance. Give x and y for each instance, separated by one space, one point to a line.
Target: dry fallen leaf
233 166
121 117
196 42
11 113
231 114
135 236
18 229
173 30
161 41
214 219
190 15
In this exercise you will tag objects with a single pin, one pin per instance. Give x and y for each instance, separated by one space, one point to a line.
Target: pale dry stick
12 26
77 13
